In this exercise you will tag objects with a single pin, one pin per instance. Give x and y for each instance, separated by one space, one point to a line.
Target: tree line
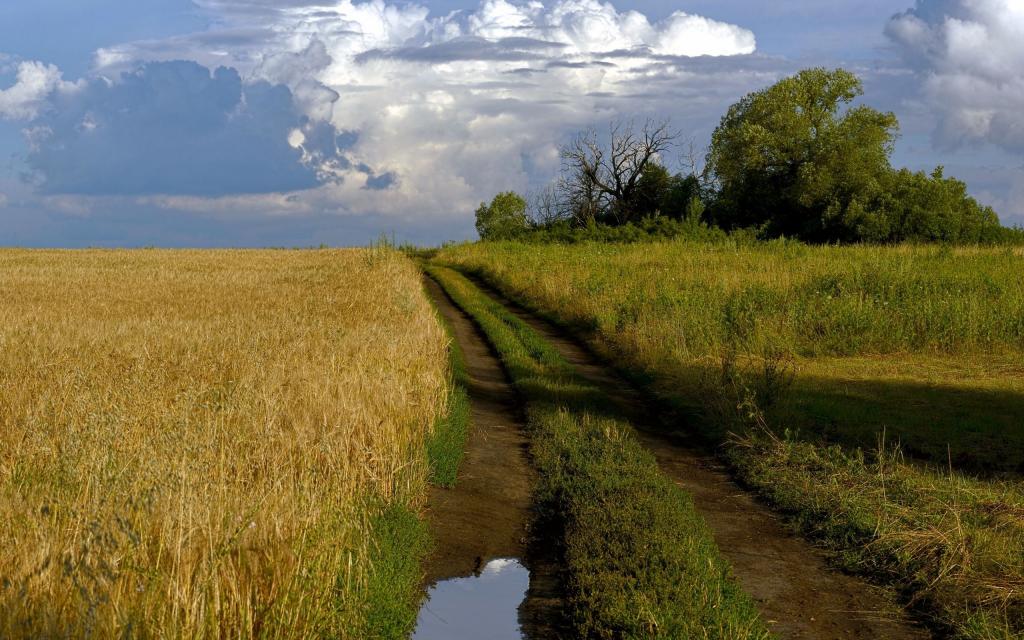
796 160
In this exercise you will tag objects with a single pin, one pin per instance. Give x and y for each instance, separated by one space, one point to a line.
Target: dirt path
487 515
798 594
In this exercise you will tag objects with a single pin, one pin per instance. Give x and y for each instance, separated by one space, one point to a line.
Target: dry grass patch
196 444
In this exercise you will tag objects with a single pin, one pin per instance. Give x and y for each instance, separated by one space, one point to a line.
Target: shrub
503 219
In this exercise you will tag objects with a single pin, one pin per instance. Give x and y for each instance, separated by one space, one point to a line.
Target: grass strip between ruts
639 561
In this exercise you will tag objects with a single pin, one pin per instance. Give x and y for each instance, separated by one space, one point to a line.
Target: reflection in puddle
485 606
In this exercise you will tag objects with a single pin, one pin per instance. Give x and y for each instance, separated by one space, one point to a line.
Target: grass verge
400 539
953 543
639 561
446 446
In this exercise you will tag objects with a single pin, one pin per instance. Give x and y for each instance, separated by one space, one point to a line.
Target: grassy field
822 360
925 343
214 444
639 561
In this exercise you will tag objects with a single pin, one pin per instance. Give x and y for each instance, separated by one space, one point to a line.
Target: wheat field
194 443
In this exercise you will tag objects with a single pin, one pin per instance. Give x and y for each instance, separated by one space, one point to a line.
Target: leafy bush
915 206
503 219
646 230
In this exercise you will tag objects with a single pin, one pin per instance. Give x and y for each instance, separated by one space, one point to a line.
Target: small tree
504 219
652 191
545 208
660 193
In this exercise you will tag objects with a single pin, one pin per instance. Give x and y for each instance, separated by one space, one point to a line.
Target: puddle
484 606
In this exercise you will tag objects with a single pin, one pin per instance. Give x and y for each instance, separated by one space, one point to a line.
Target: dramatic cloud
970 54
367 109
589 26
351 28
453 108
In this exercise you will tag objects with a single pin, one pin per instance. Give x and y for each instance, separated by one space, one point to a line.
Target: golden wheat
190 441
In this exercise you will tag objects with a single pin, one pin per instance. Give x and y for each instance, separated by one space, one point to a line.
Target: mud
488 516
798 593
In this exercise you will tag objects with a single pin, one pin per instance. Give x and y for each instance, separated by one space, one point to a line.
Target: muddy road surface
487 517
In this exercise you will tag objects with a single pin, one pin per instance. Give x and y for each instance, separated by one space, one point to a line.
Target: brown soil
488 514
798 593
485 516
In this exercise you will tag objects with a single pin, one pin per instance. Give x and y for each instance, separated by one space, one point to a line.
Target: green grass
814 356
447 444
952 542
639 561
958 409
446 447
400 540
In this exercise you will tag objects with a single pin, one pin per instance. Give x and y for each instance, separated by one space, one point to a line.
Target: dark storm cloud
381 182
171 128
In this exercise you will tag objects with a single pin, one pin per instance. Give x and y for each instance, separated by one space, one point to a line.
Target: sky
308 122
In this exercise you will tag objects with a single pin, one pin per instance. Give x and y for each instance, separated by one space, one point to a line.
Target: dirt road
799 594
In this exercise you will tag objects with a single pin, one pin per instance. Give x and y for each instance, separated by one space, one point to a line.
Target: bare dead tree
545 206
580 199
691 158
601 179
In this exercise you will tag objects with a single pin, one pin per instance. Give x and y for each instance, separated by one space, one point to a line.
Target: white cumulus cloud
33 86
970 54
587 26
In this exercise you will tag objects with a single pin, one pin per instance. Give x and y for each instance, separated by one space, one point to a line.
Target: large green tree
797 159
504 218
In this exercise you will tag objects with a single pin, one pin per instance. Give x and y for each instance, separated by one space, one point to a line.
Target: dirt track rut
488 514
